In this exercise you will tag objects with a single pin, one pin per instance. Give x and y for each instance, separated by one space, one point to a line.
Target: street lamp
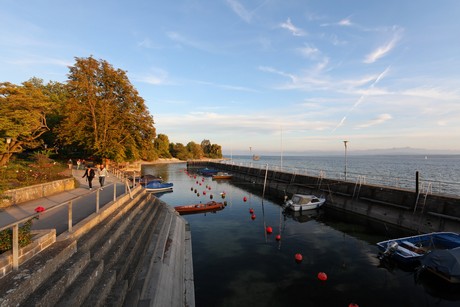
345 143
8 142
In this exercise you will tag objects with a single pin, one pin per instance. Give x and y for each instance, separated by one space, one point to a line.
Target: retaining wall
402 208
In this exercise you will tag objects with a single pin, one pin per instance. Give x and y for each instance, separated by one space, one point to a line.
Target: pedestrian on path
78 163
89 174
102 175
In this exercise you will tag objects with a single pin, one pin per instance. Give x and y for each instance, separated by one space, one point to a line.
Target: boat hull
211 206
409 250
301 202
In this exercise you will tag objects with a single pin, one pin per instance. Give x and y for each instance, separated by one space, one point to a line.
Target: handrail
15 225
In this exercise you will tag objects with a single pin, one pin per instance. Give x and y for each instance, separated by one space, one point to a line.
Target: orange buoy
253 217
278 237
322 276
298 258
269 230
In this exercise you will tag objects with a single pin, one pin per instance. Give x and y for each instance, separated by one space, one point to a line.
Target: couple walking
90 174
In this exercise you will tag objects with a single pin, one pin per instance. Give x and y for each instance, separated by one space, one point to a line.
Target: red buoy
322 276
298 258
204 192
253 217
245 199
251 211
353 305
278 237
269 230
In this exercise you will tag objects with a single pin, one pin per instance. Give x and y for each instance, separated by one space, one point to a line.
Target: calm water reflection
237 264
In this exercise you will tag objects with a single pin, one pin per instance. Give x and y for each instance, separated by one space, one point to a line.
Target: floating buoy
253 217
209 188
204 192
322 276
191 189
251 211
194 177
298 258
353 305
196 182
210 196
222 194
195 191
198 194
245 199
269 230
225 203
278 237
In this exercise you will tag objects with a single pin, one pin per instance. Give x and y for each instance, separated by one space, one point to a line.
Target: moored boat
156 186
208 171
444 263
301 202
222 175
409 250
199 208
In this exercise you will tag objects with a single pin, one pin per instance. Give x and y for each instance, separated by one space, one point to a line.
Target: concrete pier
404 209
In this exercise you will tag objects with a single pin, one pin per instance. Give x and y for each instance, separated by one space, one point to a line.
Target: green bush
24 235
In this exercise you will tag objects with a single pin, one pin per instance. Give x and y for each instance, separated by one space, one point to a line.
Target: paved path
84 203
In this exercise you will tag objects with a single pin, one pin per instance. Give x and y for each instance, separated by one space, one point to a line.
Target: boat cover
446 261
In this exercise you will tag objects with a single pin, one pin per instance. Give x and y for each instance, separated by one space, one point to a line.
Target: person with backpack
89 174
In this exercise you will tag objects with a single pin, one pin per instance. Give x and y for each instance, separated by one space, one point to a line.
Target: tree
206 146
23 112
162 146
195 150
215 151
105 114
179 151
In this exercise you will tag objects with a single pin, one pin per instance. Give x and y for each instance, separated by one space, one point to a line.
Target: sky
261 76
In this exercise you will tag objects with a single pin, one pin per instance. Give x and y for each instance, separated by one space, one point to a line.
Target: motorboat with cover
301 202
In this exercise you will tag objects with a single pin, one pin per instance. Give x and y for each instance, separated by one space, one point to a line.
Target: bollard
97 201
15 247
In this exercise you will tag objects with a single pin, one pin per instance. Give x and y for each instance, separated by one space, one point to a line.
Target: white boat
300 202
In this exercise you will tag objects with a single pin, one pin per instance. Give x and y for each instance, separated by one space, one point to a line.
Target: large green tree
23 111
105 114
162 146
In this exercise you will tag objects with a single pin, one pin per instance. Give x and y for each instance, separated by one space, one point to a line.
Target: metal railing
121 175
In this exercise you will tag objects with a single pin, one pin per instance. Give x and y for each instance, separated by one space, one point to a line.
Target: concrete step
56 285
34 272
123 252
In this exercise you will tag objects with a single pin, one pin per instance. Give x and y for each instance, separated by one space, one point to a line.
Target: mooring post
416 183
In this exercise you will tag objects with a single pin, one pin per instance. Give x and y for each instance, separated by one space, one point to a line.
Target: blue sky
285 76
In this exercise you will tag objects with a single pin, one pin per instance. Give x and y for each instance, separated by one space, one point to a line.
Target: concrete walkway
84 203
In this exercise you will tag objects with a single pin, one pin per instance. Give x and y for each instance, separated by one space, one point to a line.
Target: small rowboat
222 175
199 208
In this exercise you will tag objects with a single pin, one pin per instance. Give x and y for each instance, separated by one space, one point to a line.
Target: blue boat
156 186
409 250
208 171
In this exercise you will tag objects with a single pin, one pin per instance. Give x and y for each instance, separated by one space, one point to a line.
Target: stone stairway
140 255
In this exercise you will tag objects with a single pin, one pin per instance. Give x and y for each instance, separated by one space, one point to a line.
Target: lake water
236 263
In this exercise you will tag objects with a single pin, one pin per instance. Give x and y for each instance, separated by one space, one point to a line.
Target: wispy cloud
148 44
309 51
384 49
178 38
228 87
376 121
288 25
240 10
362 97
156 76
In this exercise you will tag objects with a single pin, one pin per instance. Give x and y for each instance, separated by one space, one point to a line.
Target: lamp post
345 143
8 142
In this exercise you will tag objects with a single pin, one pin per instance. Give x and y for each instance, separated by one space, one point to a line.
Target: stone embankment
135 252
381 206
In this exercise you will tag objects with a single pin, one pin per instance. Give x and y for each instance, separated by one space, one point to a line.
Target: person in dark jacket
89 174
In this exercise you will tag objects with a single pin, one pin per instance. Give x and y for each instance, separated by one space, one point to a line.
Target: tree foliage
162 146
105 114
23 110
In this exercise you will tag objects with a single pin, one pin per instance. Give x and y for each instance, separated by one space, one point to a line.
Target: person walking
102 175
89 174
